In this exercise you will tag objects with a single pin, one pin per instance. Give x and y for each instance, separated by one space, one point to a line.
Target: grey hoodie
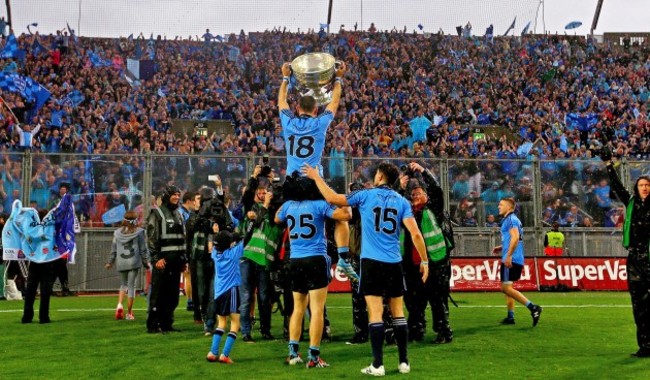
129 251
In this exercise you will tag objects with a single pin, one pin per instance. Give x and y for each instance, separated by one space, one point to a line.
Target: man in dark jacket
166 240
636 234
428 208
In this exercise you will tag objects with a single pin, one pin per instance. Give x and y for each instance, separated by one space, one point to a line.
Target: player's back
306 223
382 212
304 138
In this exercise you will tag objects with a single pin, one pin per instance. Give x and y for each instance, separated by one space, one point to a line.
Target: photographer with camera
212 210
259 252
636 238
428 209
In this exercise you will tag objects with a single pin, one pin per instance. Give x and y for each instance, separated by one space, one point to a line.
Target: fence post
26 175
443 166
147 184
537 208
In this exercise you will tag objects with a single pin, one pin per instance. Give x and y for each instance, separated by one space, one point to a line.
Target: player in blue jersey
309 270
226 253
304 137
304 134
383 211
512 261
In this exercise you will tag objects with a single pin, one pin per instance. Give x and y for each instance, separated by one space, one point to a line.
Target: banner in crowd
482 274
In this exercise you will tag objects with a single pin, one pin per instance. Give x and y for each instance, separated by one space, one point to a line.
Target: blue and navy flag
523 32
73 99
489 33
64 227
37 48
130 37
583 123
97 61
11 49
138 49
420 26
26 87
114 215
324 26
511 27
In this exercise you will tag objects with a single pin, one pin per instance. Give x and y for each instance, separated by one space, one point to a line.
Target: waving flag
11 49
511 27
29 89
114 215
64 227
73 99
37 48
523 32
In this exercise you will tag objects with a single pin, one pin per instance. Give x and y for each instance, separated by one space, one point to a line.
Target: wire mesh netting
173 18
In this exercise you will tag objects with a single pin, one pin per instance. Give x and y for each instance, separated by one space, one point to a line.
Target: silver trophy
314 73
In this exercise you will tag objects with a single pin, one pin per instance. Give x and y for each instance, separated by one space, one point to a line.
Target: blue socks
314 353
530 305
230 341
216 341
511 314
294 348
344 253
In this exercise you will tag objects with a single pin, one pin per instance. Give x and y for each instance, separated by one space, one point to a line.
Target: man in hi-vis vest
166 241
554 241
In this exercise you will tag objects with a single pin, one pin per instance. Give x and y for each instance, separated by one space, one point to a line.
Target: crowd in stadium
404 95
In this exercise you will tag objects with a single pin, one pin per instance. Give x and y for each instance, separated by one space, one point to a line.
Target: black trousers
163 298
61 272
202 275
38 275
434 292
638 282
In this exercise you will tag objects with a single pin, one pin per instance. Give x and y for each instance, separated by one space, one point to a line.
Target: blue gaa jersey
304 138
382 212
508 223
226 266
306 223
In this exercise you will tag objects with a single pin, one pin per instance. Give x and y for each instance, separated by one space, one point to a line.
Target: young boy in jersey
309 270
226 254
383 212
512 261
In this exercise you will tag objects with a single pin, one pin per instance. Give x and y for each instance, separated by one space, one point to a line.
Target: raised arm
284 87
333 106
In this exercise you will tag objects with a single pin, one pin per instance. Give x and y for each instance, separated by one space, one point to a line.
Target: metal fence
100 182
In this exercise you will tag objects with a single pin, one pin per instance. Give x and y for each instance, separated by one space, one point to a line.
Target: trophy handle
337 64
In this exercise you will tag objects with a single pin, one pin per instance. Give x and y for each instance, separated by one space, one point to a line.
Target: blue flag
523 32
11 49
420 26
114 215
130 37
37 48
73 99
28 88
64 227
